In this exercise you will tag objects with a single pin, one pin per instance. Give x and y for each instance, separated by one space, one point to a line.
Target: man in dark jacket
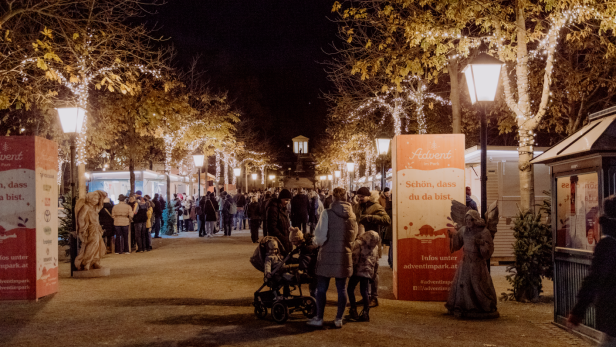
240 201
264 204
299 210
227 213
372 216
599 287
253 212
277 219
106 221
158 215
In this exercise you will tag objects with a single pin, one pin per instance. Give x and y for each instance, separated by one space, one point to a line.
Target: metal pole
484 163
382 172
73 236
199 185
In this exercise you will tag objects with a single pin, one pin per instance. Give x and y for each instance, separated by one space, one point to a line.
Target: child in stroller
286 274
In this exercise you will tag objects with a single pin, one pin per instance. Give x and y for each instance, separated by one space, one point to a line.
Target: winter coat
240 201
158 210
335 233
211 207
193 212
122 213
365 254
299 209
148 223
599 287
371 215
226 207
328 202
278 224
313 208
106 220
254 211
388 233
264 206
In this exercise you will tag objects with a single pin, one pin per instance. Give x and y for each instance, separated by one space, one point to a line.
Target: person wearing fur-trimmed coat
365 258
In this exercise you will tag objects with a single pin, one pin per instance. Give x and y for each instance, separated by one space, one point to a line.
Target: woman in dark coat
335 233
210 208
278 223
106 221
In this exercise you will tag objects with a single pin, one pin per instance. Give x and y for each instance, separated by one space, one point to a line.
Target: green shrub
533 255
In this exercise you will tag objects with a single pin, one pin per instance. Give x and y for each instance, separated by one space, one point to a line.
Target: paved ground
193 291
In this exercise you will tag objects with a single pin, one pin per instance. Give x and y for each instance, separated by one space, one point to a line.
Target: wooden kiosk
583 173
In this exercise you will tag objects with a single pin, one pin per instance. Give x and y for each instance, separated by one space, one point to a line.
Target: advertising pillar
28 218
428 173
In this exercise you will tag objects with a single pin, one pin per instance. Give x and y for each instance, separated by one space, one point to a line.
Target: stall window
577 211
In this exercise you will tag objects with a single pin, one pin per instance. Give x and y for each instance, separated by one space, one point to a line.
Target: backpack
142 214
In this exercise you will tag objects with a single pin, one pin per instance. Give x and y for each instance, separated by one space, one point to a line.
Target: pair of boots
364 316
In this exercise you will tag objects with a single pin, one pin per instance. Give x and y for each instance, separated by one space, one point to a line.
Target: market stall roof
472 155
599 135
119 175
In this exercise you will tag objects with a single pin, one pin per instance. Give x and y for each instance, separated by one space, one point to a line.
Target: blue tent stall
583 173
147 181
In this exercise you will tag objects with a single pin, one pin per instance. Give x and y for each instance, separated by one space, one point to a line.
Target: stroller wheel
260 311
309 307
280 312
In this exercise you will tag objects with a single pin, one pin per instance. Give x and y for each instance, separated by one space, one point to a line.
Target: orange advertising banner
428 175
28 218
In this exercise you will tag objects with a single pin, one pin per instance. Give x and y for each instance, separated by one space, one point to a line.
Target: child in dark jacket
365 257
307 256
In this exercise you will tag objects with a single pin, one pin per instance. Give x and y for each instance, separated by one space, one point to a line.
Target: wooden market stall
583 173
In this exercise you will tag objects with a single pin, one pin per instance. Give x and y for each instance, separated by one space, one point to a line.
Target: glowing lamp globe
323 178
254 176
382 146
337 174
482 75
329 177
272 177
237 172
198 158
71 119
350 166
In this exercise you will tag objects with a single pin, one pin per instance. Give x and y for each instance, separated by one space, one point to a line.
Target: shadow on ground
235 329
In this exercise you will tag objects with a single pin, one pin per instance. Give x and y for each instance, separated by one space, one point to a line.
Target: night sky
267 53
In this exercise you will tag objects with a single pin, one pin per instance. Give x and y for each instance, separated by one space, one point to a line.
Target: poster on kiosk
428 173
28 218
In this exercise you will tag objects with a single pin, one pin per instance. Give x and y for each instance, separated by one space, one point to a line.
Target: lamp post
322 178
71 119
482 80
330 178
337 174
382 148
198 157
237 172
351 170
254 181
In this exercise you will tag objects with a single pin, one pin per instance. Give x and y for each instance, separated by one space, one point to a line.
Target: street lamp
71 119
198 157
382 148
272 178
482 75
254 180
330 178
351 171
237 172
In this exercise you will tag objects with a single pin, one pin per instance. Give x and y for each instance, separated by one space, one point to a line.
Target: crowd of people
134 218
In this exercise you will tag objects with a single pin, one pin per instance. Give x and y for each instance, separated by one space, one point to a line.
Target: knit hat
138 192
363 191
295 234
285 194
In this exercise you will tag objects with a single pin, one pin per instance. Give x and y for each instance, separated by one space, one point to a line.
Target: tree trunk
527 179
454 95
81 173
131 169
